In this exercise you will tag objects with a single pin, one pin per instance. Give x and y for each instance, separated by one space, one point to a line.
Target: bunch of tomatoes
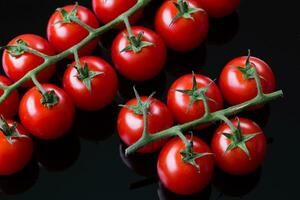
47 111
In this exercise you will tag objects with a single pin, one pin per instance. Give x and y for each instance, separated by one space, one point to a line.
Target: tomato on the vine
106 11
92 85
9 107
130 122
140 57
237 81
185 98
64 34
16 147
181 177
219 8
241 152
47 116
16 63
183 25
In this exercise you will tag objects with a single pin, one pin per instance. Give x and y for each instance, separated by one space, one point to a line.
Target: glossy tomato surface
143 65
43 122
184 178
219 8
16 67
15 156
184 34
130 124
236 89
236 161
104 86
65 35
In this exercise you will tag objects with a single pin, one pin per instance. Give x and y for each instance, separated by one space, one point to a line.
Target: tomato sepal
136 43
16 50
10 132
67 17
49 98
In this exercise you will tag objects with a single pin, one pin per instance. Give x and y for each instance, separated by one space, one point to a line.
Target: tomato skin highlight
130 125
236 89
143 65
184 178
104 86
14 157
219 8
106 11
46 123
65 35
236 161
178 102
9 107
16 67
183 34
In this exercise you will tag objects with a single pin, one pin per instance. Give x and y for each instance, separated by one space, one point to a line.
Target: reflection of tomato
14 157
65 35
130 124
9 107
180 177
16 67
219 8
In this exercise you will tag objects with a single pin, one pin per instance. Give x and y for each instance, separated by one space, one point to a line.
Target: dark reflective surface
89 163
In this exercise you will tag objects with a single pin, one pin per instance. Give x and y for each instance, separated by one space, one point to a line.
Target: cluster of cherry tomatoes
138 53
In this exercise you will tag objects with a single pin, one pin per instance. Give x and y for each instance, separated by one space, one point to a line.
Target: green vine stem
49 60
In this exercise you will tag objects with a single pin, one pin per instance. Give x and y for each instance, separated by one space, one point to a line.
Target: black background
87 163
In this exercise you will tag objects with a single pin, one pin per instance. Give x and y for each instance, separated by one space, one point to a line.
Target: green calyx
49 98
10 132
136 43
184 10
249 70
16 50
68 16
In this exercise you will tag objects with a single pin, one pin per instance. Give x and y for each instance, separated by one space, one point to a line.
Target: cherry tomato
236 89
9 107
108 10
183 107
183 34
219 8
180 177
15 67
236 161
65 35
143 65
46 122
103 89
14 155
130 123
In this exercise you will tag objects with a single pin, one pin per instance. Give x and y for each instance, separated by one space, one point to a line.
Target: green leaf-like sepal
49 99
68 17
16 50
10 132
86 75
136 44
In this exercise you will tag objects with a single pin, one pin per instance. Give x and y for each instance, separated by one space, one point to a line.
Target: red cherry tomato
65 35
180 177
179 103
236 89
14 156
143 65
184 34
43 122
130 124
236 161
9 107
104 86
16 67
106 11
219 8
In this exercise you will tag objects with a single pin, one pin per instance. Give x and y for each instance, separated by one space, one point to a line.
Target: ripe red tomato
143 65
180 177
236 161
14 155
46 122
65 35
103 89
9 107
130 124
106 11
219 8
15 67
183 34
236 89
185 107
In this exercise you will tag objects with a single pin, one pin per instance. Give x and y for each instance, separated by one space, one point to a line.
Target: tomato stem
38 85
